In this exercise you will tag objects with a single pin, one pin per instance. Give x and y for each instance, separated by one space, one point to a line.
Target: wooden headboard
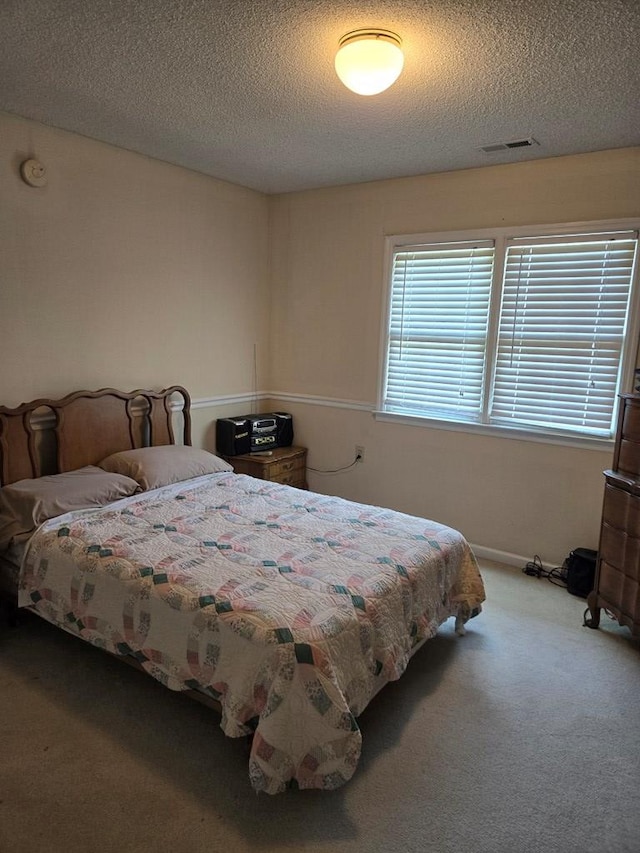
87 426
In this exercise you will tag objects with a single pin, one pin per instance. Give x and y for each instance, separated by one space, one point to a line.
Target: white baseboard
505 557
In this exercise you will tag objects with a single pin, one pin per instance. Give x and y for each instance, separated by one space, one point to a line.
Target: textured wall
125 271
328 291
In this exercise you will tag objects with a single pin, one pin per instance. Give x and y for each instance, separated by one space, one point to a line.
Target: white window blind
562 325
437 329
536 344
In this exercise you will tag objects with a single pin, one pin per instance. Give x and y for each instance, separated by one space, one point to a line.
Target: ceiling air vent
505 146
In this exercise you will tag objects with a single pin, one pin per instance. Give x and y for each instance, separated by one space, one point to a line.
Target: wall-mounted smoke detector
33 173
528 142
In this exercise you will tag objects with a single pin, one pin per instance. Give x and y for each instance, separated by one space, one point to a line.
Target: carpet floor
521 737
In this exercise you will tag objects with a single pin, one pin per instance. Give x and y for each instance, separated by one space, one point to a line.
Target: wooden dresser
286 465
617 581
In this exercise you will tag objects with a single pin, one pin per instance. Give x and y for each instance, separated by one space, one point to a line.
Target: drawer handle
287 466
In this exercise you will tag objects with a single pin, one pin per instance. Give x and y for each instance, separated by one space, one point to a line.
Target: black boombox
253 433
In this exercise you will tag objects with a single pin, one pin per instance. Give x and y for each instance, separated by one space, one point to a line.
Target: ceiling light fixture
369 61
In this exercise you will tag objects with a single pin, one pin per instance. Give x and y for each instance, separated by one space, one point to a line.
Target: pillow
26 504
153 467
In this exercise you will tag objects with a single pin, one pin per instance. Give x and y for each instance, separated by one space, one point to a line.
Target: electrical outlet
359 453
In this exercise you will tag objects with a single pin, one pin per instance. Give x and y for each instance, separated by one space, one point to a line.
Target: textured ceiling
245 90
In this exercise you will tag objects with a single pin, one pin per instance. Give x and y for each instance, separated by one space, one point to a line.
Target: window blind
438 320
562 324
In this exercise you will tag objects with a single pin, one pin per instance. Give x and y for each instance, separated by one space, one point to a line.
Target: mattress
290 608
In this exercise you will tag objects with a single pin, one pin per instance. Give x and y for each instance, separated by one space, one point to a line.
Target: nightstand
286 465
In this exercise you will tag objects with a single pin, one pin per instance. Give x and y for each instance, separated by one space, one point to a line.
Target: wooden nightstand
286 465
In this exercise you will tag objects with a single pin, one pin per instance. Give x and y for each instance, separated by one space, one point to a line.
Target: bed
284 609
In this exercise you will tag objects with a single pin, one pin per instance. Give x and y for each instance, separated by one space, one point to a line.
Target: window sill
564 440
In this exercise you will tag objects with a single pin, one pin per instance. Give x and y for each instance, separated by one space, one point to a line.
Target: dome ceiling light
369 61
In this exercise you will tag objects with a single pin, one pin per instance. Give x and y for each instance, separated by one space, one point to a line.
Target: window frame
500 237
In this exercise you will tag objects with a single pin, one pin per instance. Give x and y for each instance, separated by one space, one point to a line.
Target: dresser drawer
621 509
631 420
619 550
620 592
629 457
627 452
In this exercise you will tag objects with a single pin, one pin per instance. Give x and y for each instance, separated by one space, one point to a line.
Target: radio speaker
284 424
233 436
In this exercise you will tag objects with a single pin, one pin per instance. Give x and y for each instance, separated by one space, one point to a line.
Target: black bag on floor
581 571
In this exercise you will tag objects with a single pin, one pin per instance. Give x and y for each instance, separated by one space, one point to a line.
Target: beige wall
129 272
126 271
327 253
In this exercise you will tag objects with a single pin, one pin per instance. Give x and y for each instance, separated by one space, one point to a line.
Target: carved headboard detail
87 426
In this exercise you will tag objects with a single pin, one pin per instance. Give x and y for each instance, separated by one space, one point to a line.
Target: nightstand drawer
286 465
297 479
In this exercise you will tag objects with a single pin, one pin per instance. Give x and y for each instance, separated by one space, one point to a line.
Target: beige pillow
153 467
26 504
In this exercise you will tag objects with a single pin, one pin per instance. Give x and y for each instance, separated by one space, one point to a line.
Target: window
510 330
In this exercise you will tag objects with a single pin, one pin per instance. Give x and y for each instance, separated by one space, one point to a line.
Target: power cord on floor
535 569
558 576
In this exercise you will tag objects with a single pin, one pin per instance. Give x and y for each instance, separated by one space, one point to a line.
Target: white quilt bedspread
289 607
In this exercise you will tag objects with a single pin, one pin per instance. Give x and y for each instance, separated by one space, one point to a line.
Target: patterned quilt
291 608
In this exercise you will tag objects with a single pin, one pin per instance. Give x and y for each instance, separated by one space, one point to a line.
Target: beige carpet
521 737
